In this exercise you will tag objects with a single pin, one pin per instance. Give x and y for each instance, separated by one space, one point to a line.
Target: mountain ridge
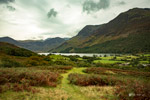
135 21
35 45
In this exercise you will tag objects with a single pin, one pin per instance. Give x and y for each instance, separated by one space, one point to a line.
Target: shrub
7 62
90 59
134 62
87 80
32 63
136 91
100 70
38 61
103 65
1 89
74 58
83 64
63 67
58 69
64 62
17 88
40 78
95 70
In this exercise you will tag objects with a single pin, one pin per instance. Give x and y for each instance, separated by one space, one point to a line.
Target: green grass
72 90
146 54
144 62
64 91
79 58
126 57
106 58
108 61
131 56
83 93
58 57
67 91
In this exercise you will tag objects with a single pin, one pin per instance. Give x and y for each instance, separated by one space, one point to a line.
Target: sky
41 19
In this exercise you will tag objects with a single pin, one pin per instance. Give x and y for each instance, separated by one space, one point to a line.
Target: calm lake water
81 54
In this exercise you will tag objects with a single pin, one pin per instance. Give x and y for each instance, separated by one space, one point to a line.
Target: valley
110 61
36 45
59 77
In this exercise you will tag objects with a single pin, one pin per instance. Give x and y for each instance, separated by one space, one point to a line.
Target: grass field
67 91
63 91
58 57
108 61
57 77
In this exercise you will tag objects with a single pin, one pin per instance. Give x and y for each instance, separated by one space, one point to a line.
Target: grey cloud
46 33
122 3
6 1
68 6
75 2
52 13
91 6
10 8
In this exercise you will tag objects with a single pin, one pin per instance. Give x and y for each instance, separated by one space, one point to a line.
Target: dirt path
72 90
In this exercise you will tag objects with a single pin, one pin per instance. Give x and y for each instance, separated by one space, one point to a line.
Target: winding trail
72 90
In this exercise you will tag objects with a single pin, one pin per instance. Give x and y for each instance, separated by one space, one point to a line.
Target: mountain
42 46
9 40
36 45
10 49
129 32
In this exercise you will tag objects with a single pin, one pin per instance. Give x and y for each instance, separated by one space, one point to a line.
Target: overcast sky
41 19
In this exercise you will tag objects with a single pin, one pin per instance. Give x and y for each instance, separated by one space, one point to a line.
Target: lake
82 54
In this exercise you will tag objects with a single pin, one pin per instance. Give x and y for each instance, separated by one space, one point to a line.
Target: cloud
93 6
6 1
7 5
52 13
63 18
11 8
122 3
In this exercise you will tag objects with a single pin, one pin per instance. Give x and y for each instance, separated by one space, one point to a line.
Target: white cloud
30 21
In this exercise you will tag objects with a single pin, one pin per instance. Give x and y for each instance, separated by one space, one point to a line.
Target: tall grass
23 78
106 71
88 80
7 62
133 91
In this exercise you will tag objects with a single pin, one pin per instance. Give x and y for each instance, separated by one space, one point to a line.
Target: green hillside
129 32
130 44
12 50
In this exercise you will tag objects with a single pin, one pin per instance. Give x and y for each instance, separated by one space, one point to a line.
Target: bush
83 64
87 80
41 78
74 58
38 61
103 65
58 69
100 70
64 62
7 62
136 91
17 88
95 70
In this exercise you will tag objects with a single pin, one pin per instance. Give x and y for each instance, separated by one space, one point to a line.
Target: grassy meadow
57 77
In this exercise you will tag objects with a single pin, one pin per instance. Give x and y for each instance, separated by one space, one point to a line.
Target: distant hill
36 45
10 49
127 33
9 40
